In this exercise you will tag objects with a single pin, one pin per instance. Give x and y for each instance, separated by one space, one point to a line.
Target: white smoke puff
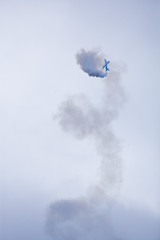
91 62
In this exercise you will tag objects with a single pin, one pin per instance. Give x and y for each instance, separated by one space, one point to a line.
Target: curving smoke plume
88 218
91 62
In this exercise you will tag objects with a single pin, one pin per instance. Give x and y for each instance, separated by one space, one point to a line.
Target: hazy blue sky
39 163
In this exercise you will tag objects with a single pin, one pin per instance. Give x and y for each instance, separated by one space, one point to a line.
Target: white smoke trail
91 62
88 218
81 119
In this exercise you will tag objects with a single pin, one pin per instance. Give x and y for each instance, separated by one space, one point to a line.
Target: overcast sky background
39 163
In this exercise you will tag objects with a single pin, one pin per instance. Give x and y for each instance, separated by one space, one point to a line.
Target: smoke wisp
91 62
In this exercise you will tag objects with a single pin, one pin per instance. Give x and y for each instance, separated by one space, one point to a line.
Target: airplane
105 65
